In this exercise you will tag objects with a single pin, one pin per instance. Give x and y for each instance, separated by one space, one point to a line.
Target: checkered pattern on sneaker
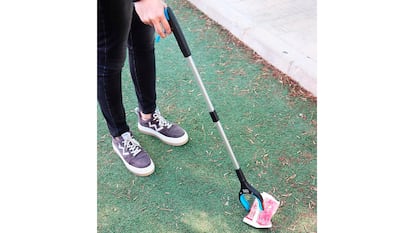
158 126
131 153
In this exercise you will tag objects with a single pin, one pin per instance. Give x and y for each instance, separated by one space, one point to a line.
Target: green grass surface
194 187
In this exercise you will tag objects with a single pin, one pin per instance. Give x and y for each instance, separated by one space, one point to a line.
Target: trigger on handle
166 13
158 37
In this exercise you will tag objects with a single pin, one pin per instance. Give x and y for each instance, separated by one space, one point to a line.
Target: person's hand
151 12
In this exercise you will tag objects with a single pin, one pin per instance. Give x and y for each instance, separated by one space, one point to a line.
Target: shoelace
161 120
133 146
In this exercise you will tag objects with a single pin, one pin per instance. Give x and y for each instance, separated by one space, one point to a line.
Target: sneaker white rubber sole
167 140
146 171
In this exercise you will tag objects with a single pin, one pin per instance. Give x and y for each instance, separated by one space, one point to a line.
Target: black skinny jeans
119 28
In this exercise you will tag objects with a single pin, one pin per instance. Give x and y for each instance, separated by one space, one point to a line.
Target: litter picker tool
246 188
263 206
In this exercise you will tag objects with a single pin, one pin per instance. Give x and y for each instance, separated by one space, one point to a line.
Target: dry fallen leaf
291 177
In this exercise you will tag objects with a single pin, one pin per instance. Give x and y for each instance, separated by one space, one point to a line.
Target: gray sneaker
158 126
134 157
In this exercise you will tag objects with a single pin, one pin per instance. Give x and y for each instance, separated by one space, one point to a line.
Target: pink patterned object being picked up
262 218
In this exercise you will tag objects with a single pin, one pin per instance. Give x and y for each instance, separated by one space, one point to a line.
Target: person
121 28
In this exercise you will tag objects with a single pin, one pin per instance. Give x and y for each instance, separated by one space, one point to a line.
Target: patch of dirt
295 90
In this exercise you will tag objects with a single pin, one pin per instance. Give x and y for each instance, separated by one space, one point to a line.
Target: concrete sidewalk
283 32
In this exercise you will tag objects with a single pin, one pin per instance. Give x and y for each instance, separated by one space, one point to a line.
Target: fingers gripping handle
178 33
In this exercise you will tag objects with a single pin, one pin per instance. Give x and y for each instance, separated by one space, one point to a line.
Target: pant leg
142 63
114 20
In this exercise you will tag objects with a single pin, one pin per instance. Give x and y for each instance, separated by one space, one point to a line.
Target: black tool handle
178 33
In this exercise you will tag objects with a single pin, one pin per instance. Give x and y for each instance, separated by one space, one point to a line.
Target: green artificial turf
194 187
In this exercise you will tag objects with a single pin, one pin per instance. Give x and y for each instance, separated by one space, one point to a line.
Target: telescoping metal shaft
246 188
213 112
